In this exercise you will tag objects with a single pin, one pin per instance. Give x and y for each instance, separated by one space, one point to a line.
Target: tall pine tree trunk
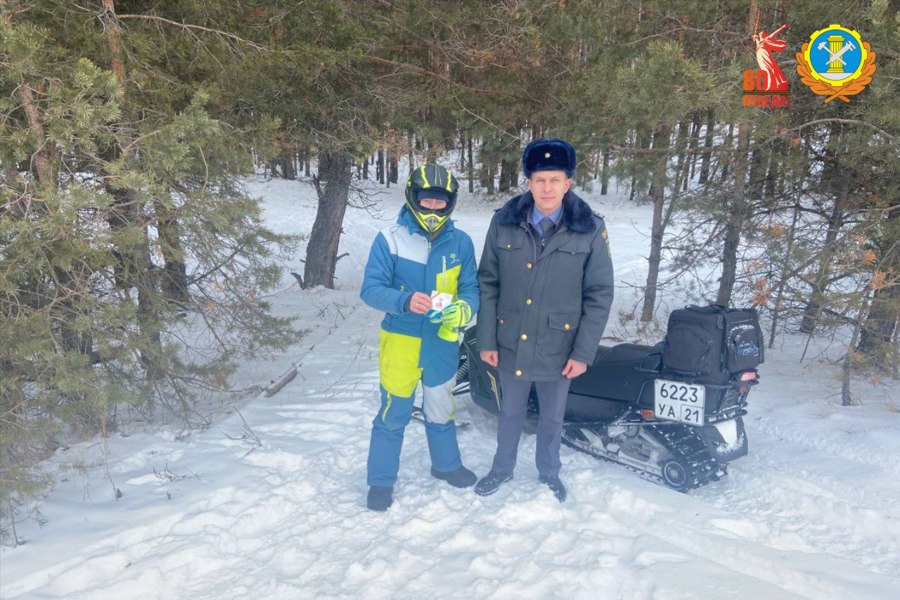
487 170
850 358
394 168
321 252
657 196
736 215
772 173
785 268
471 164
604 173
126 219
692 152
707 147
174 282
758 168
881 322
725 159
642 142
288 166
683 150
379 166
126 213
509 175
819 285
737 212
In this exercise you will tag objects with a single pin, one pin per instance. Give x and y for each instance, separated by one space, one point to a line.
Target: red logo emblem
766 86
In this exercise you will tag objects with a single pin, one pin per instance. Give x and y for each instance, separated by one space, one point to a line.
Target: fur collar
576 214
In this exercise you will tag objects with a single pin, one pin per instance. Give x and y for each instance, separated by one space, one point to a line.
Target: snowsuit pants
552 396
400 375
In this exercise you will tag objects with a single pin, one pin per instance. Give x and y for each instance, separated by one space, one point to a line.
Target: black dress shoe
556 486
490 483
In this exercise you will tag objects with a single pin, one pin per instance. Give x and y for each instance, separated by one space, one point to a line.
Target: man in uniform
546 282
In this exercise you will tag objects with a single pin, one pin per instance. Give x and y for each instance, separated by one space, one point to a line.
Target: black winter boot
490 483
461 478
380 497
556 486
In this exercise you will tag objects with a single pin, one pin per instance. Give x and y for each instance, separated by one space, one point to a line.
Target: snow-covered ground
270 502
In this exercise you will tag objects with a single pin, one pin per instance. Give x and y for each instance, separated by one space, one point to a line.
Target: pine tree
105 141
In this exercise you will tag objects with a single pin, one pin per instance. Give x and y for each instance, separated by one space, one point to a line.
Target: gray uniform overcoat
541 308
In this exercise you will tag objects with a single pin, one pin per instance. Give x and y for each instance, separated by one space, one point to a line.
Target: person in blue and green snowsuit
420 254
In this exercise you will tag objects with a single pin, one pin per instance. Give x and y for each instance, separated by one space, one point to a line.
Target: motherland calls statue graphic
765 45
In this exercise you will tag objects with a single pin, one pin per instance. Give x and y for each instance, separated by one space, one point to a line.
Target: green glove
455 315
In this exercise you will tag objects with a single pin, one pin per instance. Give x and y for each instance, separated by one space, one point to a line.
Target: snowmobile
672 412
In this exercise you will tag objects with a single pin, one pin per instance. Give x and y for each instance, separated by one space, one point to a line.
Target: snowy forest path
783 480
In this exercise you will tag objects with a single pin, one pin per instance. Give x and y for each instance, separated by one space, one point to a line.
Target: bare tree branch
190 27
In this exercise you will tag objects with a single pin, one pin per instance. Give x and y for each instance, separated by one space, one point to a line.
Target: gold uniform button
509 245
501 321
528 301
528 265
524 337
518 372
568 327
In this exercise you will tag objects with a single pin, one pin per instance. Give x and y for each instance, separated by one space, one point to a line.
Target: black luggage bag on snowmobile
713 342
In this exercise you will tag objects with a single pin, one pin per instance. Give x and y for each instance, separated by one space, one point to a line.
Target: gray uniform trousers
552 397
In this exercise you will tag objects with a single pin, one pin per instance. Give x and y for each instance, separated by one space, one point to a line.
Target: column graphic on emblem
835 42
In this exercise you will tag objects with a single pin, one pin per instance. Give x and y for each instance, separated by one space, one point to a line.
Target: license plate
678 401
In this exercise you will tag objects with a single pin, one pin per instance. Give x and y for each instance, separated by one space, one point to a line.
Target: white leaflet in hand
439 300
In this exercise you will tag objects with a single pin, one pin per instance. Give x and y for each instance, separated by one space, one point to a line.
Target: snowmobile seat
621 353
615 380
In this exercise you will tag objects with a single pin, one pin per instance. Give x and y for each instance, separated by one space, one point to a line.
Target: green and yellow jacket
403 260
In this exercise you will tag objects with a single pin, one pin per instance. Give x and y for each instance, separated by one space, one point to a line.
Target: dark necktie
547 229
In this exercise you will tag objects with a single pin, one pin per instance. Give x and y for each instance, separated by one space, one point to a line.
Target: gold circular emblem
836 63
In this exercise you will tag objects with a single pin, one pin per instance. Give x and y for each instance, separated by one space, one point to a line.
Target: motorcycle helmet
431 181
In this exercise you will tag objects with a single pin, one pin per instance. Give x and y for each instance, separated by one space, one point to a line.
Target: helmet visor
434 194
